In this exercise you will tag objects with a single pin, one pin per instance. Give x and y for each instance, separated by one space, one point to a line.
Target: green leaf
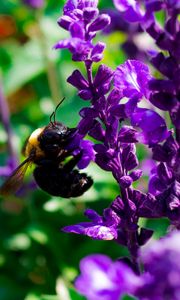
38 233
9 290
126 297
49 297
75 296
27 63
32 296
19 241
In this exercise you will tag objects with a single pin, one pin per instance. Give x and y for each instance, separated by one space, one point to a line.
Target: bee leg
78 184
71 132
72 162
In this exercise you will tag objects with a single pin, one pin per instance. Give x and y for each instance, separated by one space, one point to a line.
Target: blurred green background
37 260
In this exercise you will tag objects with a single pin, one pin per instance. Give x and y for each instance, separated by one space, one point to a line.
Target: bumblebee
54 171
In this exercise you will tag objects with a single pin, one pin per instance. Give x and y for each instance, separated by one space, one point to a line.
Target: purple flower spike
117 122
102 279
81 18
153 126
130 9
132 79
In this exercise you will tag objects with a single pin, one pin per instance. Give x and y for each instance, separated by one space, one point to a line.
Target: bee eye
50 136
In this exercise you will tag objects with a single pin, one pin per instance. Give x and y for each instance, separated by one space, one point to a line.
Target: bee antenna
54 113
50 118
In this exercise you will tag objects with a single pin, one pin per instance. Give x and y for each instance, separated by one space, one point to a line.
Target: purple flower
167 152
102 279
108 159
34 3
12 160
88 154
162 270
80 49
97 52
102 80
147 165
165 203
169 201
132 49
130 9
153 126
132 79
83 148
174 114
118 23
11 165
163 95
100 85
77 80
101 228
160 179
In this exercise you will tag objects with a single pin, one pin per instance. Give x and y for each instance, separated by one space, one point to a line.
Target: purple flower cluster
120 115
101 278
164 92
82 20
106 121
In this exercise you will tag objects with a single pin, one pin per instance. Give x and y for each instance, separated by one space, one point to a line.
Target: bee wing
15 180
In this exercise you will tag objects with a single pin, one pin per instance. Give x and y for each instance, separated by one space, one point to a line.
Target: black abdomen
57 182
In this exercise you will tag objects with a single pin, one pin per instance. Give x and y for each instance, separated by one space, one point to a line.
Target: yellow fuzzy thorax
33 145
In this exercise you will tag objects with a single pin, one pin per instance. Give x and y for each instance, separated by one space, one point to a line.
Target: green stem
49 64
